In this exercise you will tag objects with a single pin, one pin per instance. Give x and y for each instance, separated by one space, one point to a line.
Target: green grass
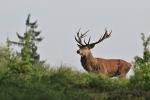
63 83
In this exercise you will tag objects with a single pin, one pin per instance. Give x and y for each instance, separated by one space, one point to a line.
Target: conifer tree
28 42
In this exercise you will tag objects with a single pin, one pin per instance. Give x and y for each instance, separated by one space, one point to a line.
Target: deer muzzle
78 52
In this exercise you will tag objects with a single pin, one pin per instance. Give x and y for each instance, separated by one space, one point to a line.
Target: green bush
63 83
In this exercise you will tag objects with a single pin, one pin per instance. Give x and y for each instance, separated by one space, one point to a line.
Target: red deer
108 67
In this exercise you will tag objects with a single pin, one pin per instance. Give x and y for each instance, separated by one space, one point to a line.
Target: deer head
84 48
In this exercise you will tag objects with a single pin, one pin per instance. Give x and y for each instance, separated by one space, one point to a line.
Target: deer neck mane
89 62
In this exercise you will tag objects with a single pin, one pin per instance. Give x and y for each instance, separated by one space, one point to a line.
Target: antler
105 36
80 36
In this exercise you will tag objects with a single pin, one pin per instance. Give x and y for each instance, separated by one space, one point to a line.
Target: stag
108 67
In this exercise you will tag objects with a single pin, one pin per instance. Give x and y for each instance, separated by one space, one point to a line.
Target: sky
59 20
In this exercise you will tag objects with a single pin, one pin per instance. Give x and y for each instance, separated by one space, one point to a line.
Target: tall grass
63 83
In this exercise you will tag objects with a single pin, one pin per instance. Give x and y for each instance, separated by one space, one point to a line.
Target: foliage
145 60
4 55
28 55
141 79
142 65
4 59
63 83
29 41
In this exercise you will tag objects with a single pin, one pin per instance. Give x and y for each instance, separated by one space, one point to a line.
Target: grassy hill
64 83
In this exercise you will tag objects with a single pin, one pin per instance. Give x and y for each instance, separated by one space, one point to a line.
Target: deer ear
91 46
79 46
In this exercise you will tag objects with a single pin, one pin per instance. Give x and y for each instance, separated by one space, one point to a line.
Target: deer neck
88 62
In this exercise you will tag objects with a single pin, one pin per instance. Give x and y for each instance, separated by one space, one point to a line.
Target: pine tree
28 42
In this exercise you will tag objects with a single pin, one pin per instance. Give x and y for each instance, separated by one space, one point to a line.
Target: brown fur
109 67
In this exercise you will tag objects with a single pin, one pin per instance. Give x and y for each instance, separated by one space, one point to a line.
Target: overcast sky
59 21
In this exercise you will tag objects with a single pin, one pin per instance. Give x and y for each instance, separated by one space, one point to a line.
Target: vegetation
62 83
28 55
142 69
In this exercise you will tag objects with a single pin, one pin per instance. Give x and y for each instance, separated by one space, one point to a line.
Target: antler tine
80 36
79 41
84 34
106 32
85 42
106 35
110 33
88 41
78 33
